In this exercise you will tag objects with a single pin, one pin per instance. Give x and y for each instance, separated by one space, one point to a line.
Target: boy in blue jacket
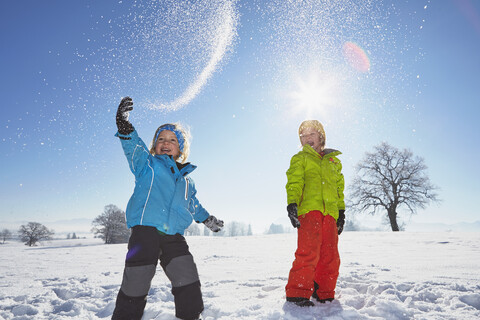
162 206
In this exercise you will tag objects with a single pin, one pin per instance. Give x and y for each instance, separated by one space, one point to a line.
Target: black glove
213 223
340 221
123 125
293 215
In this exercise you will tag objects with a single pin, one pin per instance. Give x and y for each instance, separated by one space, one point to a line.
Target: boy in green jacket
316 207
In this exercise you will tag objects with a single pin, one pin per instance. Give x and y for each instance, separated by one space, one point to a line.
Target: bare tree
111 225
5 235
33 232
388 179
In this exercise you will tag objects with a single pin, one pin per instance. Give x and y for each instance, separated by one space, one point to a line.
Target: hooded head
307 133
182 136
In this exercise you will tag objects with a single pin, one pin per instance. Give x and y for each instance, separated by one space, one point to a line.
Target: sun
315 93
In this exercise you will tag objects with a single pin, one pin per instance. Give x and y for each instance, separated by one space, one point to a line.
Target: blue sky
65 67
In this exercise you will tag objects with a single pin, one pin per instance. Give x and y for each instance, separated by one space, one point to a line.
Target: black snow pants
145 247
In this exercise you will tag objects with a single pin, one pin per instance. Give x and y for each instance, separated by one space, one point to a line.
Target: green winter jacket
315 182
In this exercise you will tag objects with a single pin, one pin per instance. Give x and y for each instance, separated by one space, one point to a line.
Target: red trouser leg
316 258
300 279
326 271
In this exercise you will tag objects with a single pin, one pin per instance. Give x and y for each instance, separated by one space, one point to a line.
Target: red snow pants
316 258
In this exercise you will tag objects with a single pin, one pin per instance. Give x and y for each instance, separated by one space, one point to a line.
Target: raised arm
134 148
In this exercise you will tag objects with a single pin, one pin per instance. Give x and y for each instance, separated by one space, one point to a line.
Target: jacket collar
332 152
182 169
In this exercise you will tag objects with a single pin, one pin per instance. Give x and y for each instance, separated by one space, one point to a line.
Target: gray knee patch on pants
136 280
182 271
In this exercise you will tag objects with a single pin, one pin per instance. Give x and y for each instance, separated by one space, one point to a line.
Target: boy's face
167 143
312 137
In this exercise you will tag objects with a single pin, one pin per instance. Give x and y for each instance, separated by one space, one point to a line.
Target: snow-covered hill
384 275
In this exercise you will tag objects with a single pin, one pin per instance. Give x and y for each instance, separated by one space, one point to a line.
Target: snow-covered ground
384 275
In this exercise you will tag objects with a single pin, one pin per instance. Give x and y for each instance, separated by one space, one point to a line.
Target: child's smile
167 143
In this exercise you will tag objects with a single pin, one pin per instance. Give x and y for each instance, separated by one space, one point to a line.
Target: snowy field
384 275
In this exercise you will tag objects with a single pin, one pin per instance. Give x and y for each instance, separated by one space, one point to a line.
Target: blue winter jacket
164 196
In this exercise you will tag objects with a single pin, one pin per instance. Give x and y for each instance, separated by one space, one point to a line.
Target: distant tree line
231 229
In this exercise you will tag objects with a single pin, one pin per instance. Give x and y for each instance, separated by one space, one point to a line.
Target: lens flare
356 57
133 251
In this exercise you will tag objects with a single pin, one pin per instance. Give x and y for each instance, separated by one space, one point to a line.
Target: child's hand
123 125
213 223
293 215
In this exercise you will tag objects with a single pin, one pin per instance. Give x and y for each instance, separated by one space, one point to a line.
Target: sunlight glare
314 94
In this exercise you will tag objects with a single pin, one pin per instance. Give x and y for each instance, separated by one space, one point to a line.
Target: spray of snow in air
166 51
162 53
222 39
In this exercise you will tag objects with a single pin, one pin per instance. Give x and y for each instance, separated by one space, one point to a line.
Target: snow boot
301 302
315 296
325 300
128 308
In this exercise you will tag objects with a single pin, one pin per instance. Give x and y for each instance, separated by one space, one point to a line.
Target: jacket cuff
202 217
125 136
